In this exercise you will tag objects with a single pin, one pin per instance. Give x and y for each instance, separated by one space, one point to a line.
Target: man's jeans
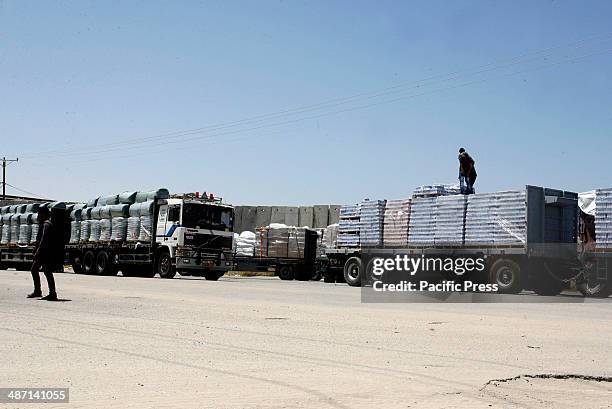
464 185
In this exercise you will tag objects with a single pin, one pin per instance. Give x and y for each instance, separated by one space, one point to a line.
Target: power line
5 161
398 88
24 191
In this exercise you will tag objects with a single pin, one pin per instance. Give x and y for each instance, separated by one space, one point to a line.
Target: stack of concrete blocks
348 227
496 219
371 223
397 218
279 240
422 224
603 218
450 215
249 218
436 190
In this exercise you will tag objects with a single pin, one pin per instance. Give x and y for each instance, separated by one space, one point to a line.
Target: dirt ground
258 342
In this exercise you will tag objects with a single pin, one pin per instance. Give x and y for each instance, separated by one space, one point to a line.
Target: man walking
467 172
48 254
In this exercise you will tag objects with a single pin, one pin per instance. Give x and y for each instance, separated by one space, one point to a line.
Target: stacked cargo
145 211
603 218
119 214
348 227
279 240
330 237
422 224
85 225
436 190
397 217
450 215
15 221
6 228
244 243
371 223
75 225
25 229
35 228
496 219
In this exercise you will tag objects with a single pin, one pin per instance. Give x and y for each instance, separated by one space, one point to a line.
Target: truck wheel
164 265
89 262
507 275
77 264
594 288
212 275
104 265
285 272
352 272
544 283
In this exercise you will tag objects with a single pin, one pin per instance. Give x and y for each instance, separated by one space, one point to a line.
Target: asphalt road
264 343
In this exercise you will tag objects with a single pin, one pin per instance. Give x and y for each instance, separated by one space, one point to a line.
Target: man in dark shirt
46 255
467 172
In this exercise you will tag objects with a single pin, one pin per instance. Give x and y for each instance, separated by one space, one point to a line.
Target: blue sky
531 100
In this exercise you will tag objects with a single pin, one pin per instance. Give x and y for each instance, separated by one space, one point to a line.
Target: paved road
265 343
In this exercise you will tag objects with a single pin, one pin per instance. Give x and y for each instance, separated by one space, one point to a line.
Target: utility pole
4 163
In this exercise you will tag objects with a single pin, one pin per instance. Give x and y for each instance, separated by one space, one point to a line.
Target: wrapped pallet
348 226
75 225
85 225
119 214
603 218
146 221
397 219
35 228
280 241
127 198
14 237
450 214
6 228
245 243
133 222
105 222
422 224
152 195
108 200
371 223
330 237
25 229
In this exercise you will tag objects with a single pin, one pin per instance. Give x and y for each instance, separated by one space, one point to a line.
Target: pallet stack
496 219
436 190
397 218
450 214
603 218
348 227
371 223
422 225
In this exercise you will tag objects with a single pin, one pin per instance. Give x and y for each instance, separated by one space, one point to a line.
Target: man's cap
461 150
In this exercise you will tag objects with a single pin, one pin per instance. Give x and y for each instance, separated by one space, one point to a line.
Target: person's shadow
58 300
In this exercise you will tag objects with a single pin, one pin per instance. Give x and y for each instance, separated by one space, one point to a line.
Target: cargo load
349 226
371 218
397 218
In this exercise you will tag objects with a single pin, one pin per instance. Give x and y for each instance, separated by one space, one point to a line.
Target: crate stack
330 236
371 220
450 229
348 227
279 240
436 190
496 219
603 218
422 224
397 219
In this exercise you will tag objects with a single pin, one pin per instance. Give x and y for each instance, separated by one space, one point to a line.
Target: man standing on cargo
467 172
46 255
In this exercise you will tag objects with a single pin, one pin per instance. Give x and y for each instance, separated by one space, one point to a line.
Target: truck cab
194 236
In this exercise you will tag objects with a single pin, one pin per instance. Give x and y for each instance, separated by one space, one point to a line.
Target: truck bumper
191 263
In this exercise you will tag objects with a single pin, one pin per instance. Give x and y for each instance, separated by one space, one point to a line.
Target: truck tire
597 289
544 283
164 265
76 262
285 272
506 274
352 272
89 262
212 275
104 264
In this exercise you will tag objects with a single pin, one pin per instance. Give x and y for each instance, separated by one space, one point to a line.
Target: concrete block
262 218
321 216
334 214
306 217
249 218
238 219
278 214
292 216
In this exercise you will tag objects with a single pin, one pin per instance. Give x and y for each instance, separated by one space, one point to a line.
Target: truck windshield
204 216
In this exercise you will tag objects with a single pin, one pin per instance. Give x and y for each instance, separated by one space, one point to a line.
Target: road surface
259 342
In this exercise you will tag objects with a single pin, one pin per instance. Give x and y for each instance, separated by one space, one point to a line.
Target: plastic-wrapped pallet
397 217
422 224
94 230
603 218
35 228
146 221
133 222
75 226
279 240
25 228
152 195
496 219
105 223
348 226
85 225
436 190
6 228
450 215
245 243
14 228
330 237
371 218
119 214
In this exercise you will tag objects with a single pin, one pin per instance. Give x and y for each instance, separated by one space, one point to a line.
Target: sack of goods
244 243
146 220
348 226
498 218
436 190
280 240
6 228
330 237
371 223
25 228
85 225
449 220
105 223
397 218
119 214
14 229
603 218
75 226
422 224
35 228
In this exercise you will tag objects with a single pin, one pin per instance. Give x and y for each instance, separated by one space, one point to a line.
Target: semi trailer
142 234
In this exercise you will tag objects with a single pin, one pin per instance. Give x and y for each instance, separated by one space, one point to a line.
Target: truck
545 260
186 234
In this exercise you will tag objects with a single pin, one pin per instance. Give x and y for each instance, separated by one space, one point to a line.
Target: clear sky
94 96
